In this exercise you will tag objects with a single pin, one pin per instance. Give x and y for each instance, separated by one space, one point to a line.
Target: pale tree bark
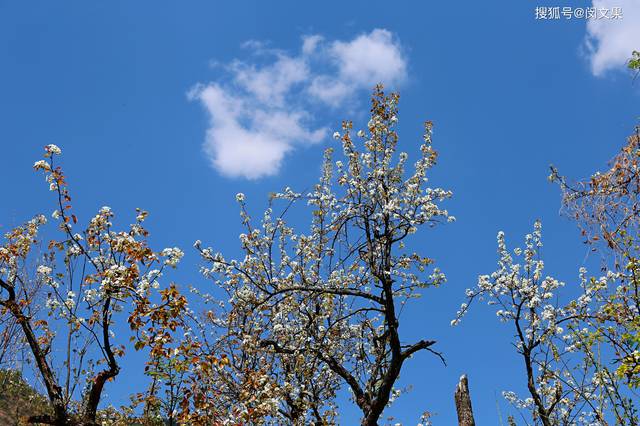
463 403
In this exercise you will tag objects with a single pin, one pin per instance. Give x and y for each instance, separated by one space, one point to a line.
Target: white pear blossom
53 149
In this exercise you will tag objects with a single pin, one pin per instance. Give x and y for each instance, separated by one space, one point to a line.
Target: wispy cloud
609 42
265 107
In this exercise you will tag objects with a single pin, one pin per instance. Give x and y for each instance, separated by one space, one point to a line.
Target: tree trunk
463 403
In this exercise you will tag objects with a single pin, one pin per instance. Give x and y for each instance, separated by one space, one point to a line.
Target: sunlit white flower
42 164
43 270
53 149
173 256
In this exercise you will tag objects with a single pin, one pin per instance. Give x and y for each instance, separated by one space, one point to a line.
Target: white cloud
266 110
310 43
609 42
247 139
271 83
370 58
361 63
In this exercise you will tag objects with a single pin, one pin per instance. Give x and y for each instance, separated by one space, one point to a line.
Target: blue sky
138 94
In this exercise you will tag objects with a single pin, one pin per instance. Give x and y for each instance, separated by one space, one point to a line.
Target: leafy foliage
18 399
634 62
607 208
